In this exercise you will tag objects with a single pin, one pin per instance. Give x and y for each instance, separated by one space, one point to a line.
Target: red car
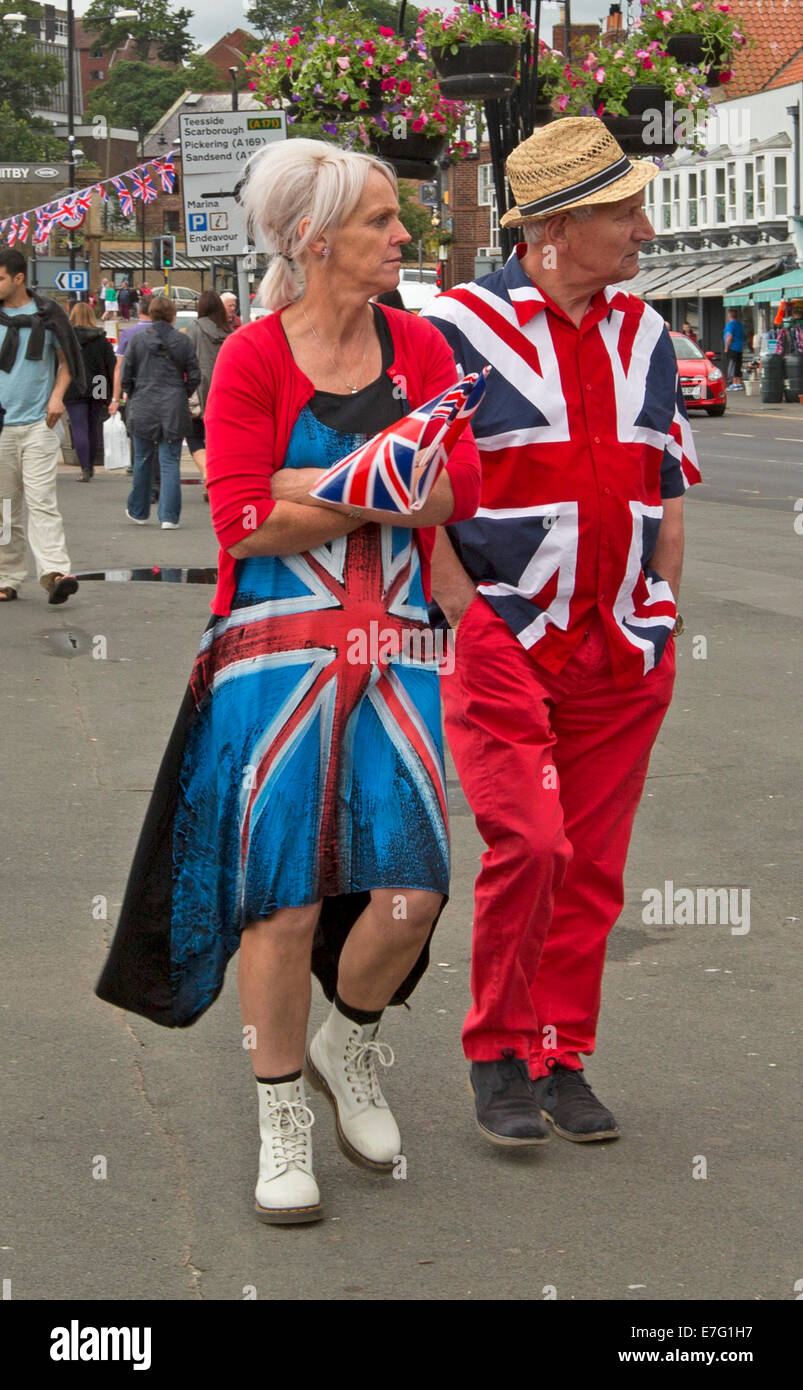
702 383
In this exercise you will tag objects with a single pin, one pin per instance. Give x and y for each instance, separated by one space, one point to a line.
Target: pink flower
599 76
726 9
331 40
698 5
620 53
680 90
388 84
387 33
368 62
726 75
292 41
563 101
647 63
405 87
420 123
344 64
665 16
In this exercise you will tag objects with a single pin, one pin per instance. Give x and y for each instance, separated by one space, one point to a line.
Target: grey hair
289 181
535 230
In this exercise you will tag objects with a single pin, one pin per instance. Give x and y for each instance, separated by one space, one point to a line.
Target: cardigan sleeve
240 440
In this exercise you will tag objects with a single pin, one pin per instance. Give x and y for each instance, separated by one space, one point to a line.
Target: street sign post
49 268
214 147
71 280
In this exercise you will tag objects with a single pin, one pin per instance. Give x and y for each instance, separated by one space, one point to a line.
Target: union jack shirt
582 432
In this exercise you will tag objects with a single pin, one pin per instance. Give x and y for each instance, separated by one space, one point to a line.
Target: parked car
701 381
183 297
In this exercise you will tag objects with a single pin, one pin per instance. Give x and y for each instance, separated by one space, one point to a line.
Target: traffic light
163 252
439 276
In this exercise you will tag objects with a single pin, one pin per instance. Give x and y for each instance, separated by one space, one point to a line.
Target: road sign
71 224
48 268
71 280
214 147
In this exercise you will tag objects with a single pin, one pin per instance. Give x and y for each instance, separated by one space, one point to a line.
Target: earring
325 251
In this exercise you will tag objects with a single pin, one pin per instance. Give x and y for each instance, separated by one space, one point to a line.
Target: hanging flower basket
645 96
477 72
630 132
687 48
413 157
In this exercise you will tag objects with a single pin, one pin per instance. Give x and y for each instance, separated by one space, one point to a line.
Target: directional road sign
214 148
72 280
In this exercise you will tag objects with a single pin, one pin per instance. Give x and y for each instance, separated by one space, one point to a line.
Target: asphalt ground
130 1151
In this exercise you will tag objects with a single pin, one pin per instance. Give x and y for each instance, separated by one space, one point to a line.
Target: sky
211 20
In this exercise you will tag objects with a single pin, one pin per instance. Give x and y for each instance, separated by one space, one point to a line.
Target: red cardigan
256 396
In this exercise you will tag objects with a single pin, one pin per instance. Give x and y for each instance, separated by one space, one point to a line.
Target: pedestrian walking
124 300
563 595
338 820
207 334
160 370
110 301
39 356
733 337
88 407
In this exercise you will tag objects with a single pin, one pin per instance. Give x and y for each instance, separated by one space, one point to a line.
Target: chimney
614 19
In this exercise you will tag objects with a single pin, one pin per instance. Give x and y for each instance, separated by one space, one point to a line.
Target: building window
731 192
749 199
486 198
703 190
719 198
781 199
96 75
666 204
172 222
761 196
693 218
676 201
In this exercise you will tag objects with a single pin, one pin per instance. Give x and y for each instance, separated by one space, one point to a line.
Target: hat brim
641 172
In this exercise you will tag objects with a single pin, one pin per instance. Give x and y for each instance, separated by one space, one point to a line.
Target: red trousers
553 767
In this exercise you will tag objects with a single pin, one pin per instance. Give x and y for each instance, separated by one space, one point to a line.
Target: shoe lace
290 1123
360 1067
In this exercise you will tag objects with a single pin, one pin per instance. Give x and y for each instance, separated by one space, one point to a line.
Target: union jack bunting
397 469
124 194
65 210
22 227
166 171
100 189
11 234
143 185
44 221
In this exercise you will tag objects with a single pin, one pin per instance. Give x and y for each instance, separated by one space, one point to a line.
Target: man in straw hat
562 590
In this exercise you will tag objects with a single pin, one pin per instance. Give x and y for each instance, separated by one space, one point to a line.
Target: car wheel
715 409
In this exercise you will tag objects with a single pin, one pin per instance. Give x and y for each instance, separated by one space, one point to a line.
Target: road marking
729 458
787 439
732 434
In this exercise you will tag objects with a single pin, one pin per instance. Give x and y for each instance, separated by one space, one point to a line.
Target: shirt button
589 387
606 490
596 439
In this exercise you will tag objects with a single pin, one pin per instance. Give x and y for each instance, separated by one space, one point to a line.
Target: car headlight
714 374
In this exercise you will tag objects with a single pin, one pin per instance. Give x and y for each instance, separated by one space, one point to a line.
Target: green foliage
417 221
27 78
27 139
200 75
136 95
157 22
272 19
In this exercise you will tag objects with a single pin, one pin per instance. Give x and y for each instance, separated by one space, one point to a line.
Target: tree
26 77
31 139
136 94
274 18
156 23
416 220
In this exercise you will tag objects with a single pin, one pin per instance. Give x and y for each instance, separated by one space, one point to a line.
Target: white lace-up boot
341 1062
286 1190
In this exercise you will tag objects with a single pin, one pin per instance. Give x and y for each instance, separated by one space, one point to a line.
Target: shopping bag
396 470
116 453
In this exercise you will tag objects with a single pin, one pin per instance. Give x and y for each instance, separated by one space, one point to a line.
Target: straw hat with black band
573 162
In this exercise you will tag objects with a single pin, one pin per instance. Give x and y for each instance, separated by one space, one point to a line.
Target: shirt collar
528 300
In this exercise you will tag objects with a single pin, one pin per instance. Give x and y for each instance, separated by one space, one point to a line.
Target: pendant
354 390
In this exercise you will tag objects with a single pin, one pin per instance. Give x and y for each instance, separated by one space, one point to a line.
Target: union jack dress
306 763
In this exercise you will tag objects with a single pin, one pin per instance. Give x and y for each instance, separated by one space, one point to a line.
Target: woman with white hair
300 811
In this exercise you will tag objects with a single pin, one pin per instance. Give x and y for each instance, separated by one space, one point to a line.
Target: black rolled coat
160 371
99 361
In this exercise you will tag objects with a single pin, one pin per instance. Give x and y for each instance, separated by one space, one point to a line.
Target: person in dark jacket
206 333
87 406
160 370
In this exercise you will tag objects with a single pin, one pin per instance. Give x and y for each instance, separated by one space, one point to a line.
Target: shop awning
708 280
786 286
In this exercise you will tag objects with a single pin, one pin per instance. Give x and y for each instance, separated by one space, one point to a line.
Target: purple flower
330 128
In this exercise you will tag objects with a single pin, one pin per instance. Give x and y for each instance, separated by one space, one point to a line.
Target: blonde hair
82 315
289 181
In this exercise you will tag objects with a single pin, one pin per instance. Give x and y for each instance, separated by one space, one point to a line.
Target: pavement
130 1151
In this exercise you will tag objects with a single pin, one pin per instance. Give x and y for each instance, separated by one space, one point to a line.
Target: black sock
279 1080
361 1016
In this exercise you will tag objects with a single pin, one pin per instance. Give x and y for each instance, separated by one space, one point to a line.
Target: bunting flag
397 469
143 185
72 205
165 168
124 194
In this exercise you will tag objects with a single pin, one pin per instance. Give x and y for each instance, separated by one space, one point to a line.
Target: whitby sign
33 173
